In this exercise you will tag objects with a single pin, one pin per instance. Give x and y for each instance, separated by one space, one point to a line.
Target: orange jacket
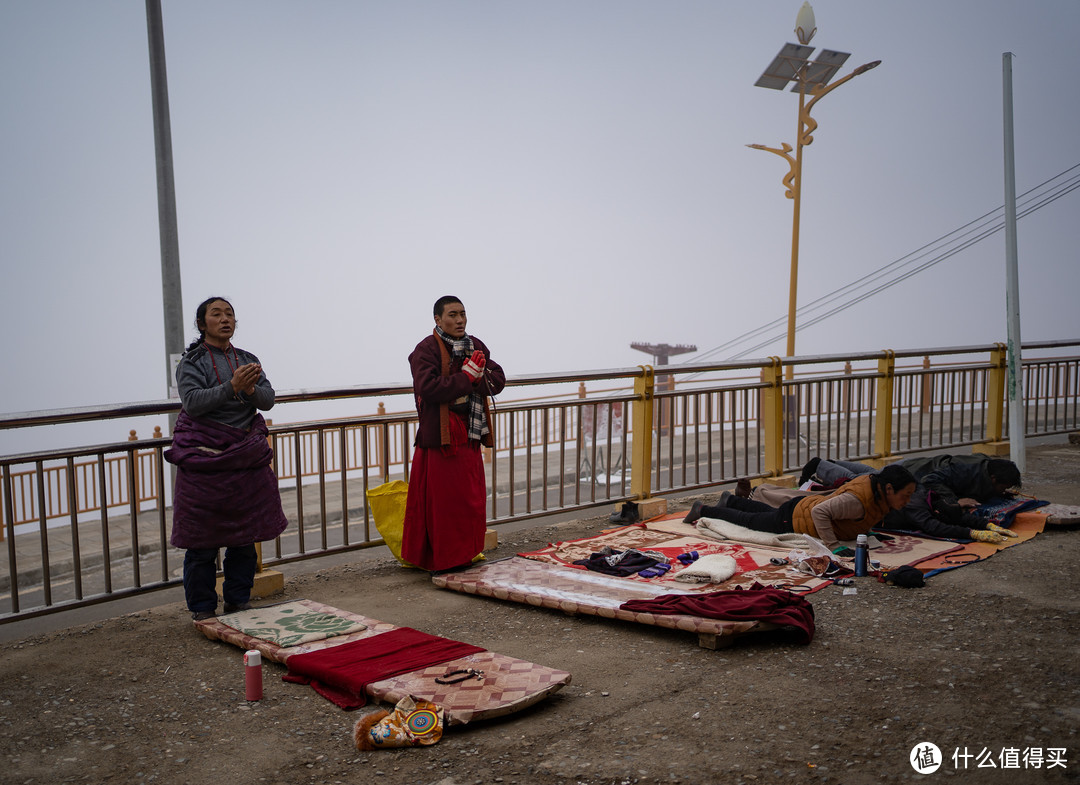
874 510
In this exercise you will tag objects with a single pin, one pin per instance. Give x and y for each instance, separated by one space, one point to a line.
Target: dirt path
984 659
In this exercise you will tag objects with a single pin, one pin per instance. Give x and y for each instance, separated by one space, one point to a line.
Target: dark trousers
200 576
754 515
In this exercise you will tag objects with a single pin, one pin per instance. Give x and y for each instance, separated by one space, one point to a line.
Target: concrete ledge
650 508
993 449
881 463
647 508
784 481
267 584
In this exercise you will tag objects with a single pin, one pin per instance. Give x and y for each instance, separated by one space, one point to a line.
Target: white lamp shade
805 24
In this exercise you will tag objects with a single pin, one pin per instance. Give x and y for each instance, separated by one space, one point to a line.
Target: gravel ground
982 660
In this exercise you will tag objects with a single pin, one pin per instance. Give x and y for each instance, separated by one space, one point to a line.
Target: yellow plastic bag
387 502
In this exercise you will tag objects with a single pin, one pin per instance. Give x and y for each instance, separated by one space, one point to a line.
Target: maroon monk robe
445 520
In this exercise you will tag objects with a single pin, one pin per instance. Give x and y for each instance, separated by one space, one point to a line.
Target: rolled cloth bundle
725 530
714 568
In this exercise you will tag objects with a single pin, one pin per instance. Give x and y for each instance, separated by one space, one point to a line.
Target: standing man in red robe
453 375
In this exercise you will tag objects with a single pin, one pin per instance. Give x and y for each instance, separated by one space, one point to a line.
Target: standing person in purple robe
226 493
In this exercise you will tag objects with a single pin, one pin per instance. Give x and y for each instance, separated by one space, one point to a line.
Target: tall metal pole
793 283
166 191
1017 420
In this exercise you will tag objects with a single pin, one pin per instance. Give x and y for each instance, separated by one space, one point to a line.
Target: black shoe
627 514
744 489
203 615
244 606
808 471
726 497
695 512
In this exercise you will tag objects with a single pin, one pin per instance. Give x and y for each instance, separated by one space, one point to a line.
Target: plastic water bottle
253 682
862 556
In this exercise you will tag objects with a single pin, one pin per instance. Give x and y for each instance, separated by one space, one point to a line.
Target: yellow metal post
641 448
927 402
884 413
995 393
772 417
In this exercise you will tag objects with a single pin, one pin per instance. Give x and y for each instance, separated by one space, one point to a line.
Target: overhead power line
919 260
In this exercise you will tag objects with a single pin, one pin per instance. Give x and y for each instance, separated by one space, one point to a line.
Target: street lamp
811 78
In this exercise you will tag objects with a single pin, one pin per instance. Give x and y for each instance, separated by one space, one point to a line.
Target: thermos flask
862 556
253 685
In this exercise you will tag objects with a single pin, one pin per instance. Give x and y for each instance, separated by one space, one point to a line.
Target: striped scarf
461 349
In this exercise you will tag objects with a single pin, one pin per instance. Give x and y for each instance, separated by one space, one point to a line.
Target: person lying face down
841 514
950 487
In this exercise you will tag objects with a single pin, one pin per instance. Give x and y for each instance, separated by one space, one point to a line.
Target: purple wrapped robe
226 493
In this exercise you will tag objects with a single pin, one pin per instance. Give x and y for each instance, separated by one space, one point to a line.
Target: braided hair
200 320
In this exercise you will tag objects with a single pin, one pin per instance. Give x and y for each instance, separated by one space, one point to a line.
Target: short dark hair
895 475
1005 472
444 301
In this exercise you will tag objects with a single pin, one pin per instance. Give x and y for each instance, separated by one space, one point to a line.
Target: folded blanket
340 673
713 568
726 530
790 612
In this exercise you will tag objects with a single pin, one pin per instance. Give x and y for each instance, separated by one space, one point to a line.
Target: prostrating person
950 487
852 509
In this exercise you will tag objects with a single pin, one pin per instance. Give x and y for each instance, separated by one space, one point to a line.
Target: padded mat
908 549
508 684
290 623
671 537
1025 524
579 591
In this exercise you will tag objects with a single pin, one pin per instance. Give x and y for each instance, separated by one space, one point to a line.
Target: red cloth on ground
445 519
341 673
757 603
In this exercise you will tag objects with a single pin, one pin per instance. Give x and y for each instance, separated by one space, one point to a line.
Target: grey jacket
203 378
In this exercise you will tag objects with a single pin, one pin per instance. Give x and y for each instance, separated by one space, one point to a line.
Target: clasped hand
245 377
474 366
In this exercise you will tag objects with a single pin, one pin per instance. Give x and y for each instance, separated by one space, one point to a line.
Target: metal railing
76 534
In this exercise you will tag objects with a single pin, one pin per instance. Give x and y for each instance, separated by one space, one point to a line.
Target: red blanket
789 611
340 673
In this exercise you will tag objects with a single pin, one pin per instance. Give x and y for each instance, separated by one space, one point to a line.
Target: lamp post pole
810 77
167 229
1017 417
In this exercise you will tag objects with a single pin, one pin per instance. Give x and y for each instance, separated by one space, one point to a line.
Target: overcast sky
576 172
